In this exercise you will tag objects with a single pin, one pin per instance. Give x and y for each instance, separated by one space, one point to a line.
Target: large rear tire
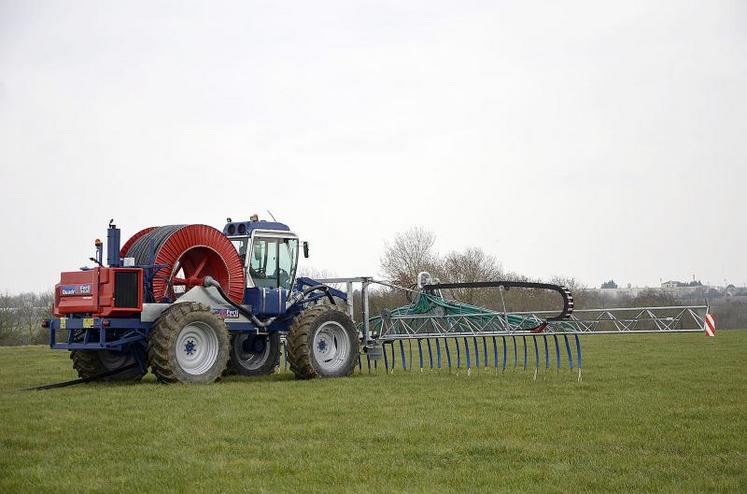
322 342
255 355
188 344
90 363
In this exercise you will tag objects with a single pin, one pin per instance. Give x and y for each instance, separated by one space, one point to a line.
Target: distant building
609 284
672 284
681 284
618 292
692 291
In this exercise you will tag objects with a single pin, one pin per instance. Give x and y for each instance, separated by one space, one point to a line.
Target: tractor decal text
72 290
226 313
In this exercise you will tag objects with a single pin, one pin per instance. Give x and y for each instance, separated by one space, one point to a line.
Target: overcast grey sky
589 139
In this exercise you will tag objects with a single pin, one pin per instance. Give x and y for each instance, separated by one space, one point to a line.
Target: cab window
240 244
287 256
273 262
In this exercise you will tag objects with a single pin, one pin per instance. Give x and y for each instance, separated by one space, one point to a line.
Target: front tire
188 344
322 342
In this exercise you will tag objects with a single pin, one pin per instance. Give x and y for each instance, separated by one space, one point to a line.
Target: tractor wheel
188 344
322 342
89 363
254 354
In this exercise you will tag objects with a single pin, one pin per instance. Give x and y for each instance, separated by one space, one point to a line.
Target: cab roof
247 227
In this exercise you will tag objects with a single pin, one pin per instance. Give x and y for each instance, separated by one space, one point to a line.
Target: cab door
271 267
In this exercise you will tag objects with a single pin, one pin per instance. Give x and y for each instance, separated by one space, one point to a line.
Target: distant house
609 284
681 284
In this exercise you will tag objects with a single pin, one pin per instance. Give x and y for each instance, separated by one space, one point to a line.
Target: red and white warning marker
710 325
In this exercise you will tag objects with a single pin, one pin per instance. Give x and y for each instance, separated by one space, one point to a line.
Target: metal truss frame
675 319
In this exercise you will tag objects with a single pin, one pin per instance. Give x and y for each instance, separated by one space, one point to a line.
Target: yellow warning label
88 322
63 323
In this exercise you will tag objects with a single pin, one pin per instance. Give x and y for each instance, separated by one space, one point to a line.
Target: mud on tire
89 363
188 344
322 342
254 355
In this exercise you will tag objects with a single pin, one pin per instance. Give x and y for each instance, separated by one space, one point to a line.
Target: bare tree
25 314
7 322
654 298
410 253
469 266
319 274
569 282
31 309
21 315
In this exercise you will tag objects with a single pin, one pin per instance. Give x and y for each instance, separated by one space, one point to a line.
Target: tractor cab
269 251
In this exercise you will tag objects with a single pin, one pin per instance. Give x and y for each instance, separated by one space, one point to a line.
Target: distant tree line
21 316
413 251
408 254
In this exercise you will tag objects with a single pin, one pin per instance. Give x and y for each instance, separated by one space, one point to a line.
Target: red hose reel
189 253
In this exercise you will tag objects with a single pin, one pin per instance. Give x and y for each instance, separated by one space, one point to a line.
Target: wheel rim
196 348
331 346
252 351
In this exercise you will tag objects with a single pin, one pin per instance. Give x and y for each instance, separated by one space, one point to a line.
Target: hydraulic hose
209 281
313 288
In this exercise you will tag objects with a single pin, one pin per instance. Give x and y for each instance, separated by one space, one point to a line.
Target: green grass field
652 413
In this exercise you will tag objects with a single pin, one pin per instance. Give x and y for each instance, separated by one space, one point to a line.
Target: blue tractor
192 303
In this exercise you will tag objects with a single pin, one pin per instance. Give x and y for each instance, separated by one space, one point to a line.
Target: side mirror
305 250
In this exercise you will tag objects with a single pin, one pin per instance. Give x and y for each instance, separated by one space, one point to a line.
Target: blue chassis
122 333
